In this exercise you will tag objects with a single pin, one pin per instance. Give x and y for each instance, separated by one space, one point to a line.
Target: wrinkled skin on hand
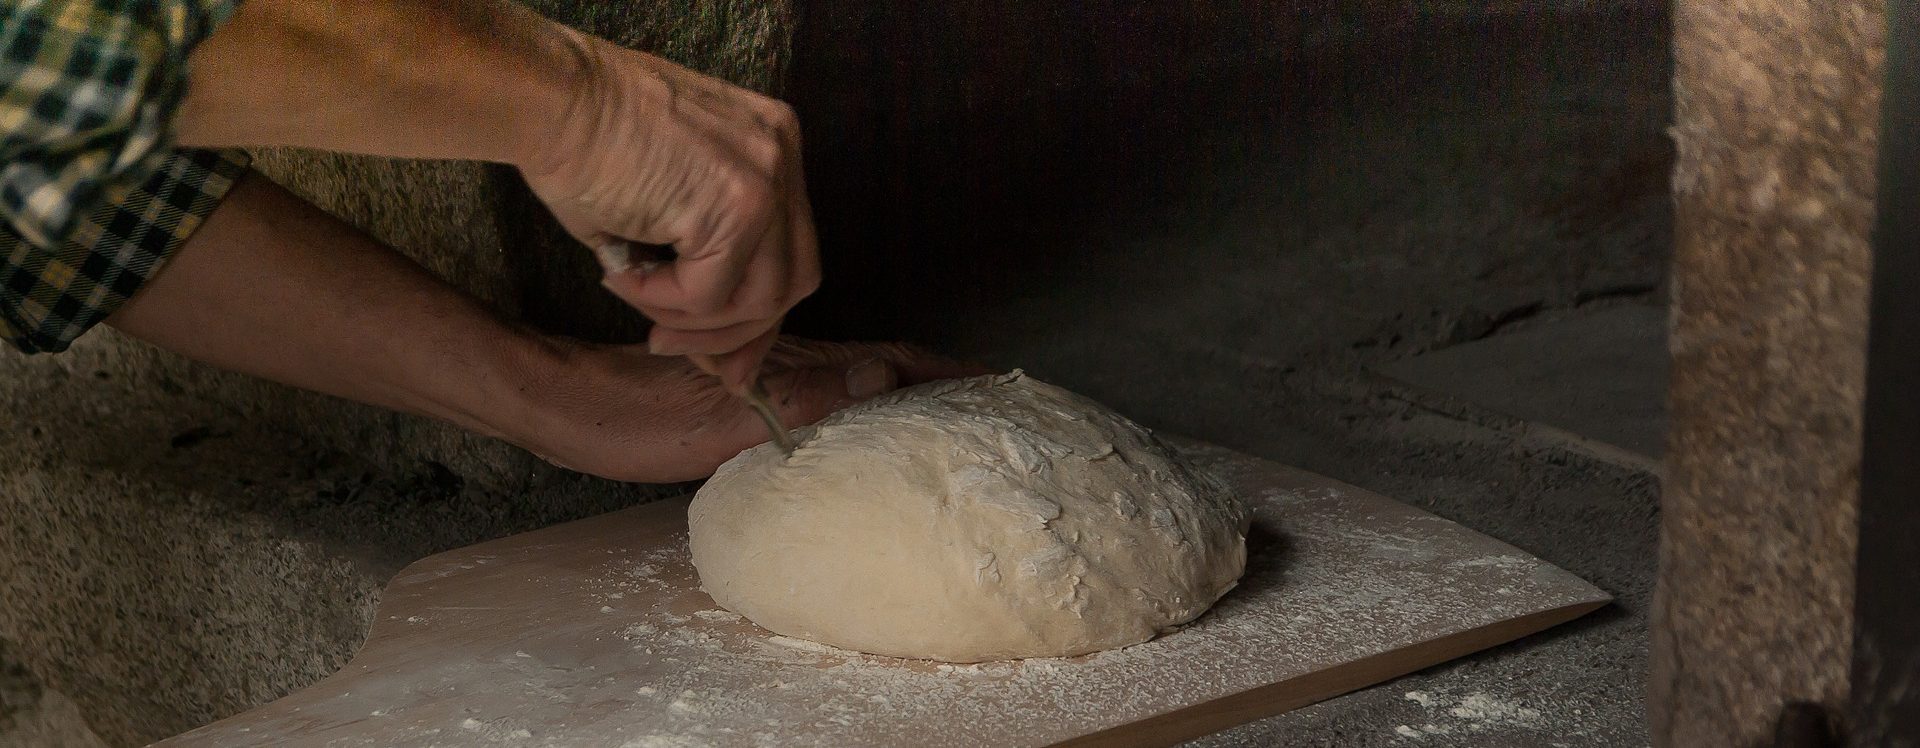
651 152
621 413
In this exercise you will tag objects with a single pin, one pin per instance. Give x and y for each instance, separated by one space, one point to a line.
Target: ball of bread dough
989 518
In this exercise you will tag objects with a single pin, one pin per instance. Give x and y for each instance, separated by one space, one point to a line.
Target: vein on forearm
470 79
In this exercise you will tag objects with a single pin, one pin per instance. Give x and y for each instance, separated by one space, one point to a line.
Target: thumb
804 396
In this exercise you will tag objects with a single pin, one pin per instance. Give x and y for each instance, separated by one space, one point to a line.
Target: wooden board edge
1219 714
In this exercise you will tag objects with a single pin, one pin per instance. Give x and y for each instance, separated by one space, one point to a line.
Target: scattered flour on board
496 730
808 645
687 703
710 679
790 686
638 630
666 741
1505 560
674 673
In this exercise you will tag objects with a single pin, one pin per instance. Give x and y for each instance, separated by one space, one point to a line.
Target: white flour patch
808 645
1505 561
666 741
1410 731
1486 711
638 631
1475 712
496 730
688 702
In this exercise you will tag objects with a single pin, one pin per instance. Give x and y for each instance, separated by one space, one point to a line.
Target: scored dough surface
988 518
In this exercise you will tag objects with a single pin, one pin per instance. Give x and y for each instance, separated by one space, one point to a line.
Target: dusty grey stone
1777 122
32 715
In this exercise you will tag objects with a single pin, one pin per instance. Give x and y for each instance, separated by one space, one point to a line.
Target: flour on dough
989 518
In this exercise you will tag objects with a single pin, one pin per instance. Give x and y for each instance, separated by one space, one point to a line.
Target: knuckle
708 303
781 117
767 153
806 284
783 126
763 308
748 193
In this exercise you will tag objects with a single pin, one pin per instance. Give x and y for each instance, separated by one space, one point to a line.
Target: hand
623 147
658 154
621 413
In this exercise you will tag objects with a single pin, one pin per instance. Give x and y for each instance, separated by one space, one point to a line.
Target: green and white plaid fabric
92 195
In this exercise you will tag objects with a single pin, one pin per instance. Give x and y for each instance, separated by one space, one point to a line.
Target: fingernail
869 378
614 256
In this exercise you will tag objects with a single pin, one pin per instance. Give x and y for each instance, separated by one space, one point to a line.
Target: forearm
468 79
273 287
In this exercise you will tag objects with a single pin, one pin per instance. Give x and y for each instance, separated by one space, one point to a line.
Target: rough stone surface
1777 118
1600 374
32 715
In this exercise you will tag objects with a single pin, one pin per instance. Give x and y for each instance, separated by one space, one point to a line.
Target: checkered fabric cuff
49 297
87 91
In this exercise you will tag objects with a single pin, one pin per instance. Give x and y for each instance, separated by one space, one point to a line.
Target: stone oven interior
1308 231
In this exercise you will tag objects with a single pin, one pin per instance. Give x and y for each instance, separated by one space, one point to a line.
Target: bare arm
273 287
622 146
409 78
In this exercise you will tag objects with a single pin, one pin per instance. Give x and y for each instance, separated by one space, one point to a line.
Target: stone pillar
1777 121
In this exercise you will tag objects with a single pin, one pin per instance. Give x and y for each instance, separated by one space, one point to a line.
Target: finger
629 274
803 244
711 292
803 396
713 263
740 369
705 363
764 293
667 341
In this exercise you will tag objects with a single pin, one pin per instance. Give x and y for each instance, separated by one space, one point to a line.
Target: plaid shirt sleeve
92 198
